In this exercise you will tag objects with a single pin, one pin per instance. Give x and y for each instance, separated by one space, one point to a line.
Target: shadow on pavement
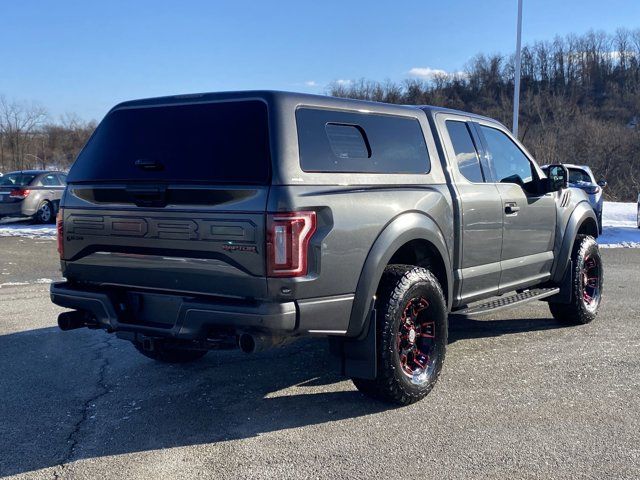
66 396
461 327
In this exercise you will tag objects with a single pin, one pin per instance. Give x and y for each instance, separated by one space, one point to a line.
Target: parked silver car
31 193
581 176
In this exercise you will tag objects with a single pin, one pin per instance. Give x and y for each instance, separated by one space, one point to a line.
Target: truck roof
431 109
275 96
267 95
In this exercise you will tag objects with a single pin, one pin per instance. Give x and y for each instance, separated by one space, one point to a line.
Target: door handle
511 208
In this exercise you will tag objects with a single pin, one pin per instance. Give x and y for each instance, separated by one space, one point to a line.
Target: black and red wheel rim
416 340
591 279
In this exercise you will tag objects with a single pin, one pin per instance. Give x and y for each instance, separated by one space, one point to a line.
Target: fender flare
581 212
402 229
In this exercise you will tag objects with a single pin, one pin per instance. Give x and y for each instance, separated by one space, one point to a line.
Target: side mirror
557 178
602 183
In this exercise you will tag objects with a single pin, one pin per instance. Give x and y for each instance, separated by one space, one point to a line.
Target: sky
83 56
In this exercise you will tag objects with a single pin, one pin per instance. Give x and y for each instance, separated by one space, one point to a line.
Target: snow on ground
618 221
12 227
18 284
619 226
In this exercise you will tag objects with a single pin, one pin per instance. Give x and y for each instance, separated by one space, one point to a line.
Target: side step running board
507 302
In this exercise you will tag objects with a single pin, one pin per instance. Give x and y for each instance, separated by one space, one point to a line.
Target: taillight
60 231
288 236
19 193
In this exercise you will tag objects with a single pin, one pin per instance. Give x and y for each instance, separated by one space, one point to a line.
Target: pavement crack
73 438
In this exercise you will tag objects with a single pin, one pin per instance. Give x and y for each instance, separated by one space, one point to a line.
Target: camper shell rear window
219 142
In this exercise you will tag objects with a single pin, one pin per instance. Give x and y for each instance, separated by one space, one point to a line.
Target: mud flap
566 287
357 357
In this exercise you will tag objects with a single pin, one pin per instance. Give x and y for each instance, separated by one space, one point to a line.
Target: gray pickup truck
219 220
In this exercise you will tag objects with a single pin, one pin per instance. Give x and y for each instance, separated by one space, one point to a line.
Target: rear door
52 187
529 217
172 198
480 207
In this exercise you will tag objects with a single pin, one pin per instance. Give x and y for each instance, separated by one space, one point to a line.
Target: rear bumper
196 318
12 210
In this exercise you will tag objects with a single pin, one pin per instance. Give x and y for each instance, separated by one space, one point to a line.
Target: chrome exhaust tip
73 320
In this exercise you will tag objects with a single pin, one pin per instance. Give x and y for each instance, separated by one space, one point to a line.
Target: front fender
402 229
580 214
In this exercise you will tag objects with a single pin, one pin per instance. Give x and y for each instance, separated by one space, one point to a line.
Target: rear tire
411 333
586 284
45 213
166 353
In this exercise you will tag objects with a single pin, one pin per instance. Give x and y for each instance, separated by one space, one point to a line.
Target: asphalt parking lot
520 397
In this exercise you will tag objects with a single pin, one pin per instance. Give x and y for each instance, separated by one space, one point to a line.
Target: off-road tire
399 285
45 213
170 353
577 312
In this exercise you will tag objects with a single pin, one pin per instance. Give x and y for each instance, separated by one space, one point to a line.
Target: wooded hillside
580 101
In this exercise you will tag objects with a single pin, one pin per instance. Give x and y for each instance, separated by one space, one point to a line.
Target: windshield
224 142
576 175
16 180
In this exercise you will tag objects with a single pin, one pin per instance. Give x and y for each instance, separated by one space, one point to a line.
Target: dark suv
31 193
201 222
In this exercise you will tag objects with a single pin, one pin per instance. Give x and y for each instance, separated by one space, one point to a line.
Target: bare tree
19 122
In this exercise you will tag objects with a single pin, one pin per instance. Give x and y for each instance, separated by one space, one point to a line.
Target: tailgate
172 197
214 249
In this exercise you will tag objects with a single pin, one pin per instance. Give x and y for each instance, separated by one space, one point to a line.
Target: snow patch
619 226
13 284
40 281
20 228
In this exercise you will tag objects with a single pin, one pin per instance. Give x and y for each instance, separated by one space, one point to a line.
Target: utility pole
516 89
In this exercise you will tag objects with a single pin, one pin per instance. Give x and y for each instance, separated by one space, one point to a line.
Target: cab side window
340 141
509 164
465 150
50 180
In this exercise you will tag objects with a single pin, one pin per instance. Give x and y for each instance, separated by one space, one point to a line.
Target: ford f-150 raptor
200 222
